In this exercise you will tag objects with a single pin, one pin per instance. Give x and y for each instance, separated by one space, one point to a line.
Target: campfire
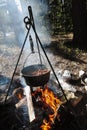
47 97
49 112
44 99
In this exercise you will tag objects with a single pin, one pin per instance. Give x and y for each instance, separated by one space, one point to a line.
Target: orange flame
49 98
20 96
46 125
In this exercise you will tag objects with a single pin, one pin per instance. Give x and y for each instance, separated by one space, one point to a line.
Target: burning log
21 102
18 92
27 91
29 103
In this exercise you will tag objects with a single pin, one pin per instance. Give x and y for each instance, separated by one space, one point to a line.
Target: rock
70 95
84 79
86 88
81 72
75 101
66 75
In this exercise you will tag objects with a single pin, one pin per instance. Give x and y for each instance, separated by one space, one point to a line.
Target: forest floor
74 60
62 56
68 57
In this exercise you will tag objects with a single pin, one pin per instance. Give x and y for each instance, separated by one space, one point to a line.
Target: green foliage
68 15
59 14
69 51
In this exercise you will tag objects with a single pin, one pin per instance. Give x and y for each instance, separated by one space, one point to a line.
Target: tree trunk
79 18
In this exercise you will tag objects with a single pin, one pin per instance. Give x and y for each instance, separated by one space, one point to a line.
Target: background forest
58 16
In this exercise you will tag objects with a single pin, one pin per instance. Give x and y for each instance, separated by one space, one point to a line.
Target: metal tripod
29 22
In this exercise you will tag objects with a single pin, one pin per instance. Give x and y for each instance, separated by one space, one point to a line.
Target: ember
18 92
19 96
48 97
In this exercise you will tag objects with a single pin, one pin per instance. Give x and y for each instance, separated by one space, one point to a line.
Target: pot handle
30 55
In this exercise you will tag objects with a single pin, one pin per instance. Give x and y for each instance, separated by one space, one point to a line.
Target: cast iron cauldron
36 75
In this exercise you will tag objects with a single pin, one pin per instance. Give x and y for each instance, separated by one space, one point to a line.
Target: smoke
14 29
14 13
39 9
19 10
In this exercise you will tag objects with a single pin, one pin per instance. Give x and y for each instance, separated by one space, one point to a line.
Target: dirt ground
67 57
61 56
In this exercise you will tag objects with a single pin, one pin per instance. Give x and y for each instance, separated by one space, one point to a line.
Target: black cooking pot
36 75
